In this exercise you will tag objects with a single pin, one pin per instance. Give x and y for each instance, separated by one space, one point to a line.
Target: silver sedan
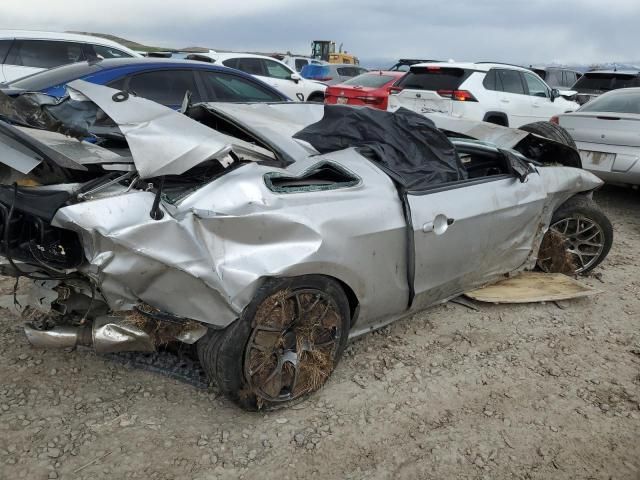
607 133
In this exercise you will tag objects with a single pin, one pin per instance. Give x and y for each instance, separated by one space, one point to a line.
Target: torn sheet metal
151 132
38 110
533 287
81 152
531 145
10 135
210 252
14 155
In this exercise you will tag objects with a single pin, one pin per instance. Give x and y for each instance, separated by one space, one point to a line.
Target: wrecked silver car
269 234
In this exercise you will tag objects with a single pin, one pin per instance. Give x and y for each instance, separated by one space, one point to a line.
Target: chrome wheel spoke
584 239
287 362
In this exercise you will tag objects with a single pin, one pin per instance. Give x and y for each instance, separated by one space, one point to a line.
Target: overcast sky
523 31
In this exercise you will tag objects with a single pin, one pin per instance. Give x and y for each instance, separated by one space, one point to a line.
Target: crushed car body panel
150 130
211 251
222 236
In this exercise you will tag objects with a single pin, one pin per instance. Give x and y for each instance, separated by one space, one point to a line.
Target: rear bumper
621 166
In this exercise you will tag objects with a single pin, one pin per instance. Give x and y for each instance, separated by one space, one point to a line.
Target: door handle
536 105
504 100
439 225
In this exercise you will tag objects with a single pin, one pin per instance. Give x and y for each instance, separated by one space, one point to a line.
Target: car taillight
370 99
394 90
555 119
458 95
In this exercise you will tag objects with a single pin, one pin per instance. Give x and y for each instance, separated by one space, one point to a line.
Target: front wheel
578 240
551 131
284 346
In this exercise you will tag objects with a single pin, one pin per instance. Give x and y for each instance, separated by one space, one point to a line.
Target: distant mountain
139 46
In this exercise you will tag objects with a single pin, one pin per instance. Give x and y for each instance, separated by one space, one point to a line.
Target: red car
370 89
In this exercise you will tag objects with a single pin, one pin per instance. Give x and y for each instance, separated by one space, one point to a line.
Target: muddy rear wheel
578 240
285 345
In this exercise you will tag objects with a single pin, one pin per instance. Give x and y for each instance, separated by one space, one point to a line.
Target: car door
226 87
472 231
539 93
259 68
511 97
167 87
31 56
279 77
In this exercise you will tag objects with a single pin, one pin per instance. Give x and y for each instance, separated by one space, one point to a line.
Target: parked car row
502 94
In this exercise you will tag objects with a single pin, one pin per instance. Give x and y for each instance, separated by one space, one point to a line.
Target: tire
497 120
297 363
317 97
577 221
551 131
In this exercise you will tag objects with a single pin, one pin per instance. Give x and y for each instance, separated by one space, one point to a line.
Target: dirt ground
526 391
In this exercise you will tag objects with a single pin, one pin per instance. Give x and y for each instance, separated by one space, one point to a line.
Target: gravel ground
526 391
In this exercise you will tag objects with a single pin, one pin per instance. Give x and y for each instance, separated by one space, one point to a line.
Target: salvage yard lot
509 391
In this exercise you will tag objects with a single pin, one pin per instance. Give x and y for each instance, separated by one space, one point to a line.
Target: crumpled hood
161 140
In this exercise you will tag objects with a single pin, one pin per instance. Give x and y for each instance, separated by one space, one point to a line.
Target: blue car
162 80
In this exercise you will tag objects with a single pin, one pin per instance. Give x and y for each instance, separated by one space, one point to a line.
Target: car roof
546 69
61 36
621 91
611 72
394 73
227 55
109 63
481 66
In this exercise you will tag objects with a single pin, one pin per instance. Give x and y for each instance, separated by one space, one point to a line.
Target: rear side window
603 82
371 80
44 54
554 78
231 88
231 63
349 71
167 87
434 78
541 73
569 79
490 80
617 102
108 52
252 66
4 49
511 81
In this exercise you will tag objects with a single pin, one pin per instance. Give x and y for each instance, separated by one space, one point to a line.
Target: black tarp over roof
405 144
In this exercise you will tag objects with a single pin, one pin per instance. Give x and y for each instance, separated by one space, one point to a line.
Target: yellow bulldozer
326 50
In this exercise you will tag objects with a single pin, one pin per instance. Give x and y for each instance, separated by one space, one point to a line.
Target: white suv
498 93
24 52
275 73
